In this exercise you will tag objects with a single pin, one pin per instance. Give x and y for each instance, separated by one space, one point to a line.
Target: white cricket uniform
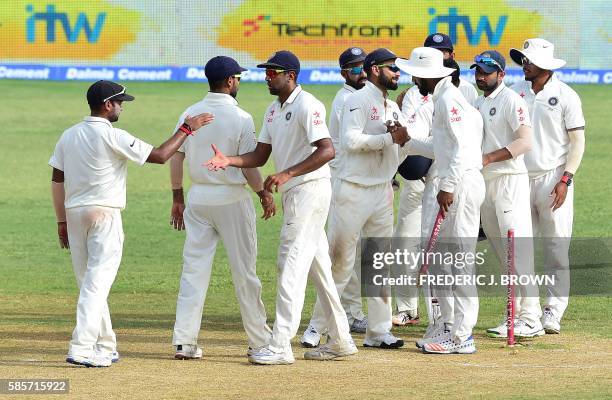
554 110
291 129
418 111
506 205
456 142
351 297
93 156
219 207
363 197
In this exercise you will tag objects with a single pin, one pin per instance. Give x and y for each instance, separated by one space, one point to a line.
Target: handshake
398 132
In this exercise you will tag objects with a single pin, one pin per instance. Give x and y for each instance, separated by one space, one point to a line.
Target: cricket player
558 147
89 190
363 196
456 144
218 206
411 197
351 69
507 137
294 130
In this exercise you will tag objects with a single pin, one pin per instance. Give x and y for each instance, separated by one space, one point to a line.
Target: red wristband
566 179
186 128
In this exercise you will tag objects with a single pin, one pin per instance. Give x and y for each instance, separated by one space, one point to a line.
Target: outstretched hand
199 120
219 161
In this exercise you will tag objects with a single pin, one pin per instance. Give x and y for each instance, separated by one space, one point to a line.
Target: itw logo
453 19
252 25
51 18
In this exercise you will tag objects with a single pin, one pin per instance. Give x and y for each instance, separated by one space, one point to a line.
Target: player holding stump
89 189
294 130
558 146
507 137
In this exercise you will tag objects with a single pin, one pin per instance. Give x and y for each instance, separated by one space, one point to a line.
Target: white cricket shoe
332 351
311 337
526 330
404 318
254 350
267 356
432 335
188 352
445 344
97 360
359 325
500 331
550 323
114 355
386 341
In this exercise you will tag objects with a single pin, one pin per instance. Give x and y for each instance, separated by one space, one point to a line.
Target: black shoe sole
309 346
383 345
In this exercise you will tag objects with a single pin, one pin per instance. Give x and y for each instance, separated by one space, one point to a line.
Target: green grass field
38 293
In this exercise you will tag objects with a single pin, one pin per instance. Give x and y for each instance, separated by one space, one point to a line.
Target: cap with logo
539 52
221 67
351 55
378 56
102 91
283 59
438 41
489 61
425 62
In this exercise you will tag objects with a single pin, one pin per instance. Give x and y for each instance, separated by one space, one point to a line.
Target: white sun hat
425 62
538 51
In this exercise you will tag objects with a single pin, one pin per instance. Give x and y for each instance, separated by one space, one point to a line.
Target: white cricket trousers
459 233
95 235
304 253
409 228
359 210
555 229
204 225
506 206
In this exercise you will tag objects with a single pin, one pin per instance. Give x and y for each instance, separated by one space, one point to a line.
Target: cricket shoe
188 352
446 344
114 355
96 361
526 330
386 341
332 351
500 331
550 323
311 337
432 335
404 318
254 350
267 356
359 325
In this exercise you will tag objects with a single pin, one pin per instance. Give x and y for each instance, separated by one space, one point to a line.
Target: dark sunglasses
392 67
272 73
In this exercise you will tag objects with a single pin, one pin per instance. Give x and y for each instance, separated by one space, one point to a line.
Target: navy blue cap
378 56
439 41
489 61
101 91
351 55
221 67
283 59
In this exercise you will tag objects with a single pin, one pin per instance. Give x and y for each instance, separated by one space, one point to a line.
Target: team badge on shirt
492 111
553 101
288 116
395 116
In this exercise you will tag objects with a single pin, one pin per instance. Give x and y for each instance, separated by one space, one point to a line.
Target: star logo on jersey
425 98
455 117
454 111
374 116
270 116
522 94
316 118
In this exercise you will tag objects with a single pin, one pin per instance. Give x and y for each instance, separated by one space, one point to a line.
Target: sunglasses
237 77
272 73
354 70
487 61
392 67
525 61
116 94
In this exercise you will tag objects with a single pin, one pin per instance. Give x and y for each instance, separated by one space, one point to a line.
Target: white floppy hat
425 62
538 51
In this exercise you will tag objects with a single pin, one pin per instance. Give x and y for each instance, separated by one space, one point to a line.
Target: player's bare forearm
161 154
254 179
58 195
323 154
176 170
502 154
254 159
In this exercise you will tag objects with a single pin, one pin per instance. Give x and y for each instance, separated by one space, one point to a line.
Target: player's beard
386 82
358 84
487 88
422 85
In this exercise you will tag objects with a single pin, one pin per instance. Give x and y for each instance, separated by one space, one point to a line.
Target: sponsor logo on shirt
270 116
455 117
521 114
374 116
317 118
425 99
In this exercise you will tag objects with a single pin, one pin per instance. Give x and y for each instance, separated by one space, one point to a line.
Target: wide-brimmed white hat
425 62
538 51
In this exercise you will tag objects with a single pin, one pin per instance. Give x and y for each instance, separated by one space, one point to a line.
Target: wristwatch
566 179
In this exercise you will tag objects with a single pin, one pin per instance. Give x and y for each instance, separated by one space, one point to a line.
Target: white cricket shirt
554 110
413 99
335 121
503 112
456 137
292 129
233 132
369 155
93 155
